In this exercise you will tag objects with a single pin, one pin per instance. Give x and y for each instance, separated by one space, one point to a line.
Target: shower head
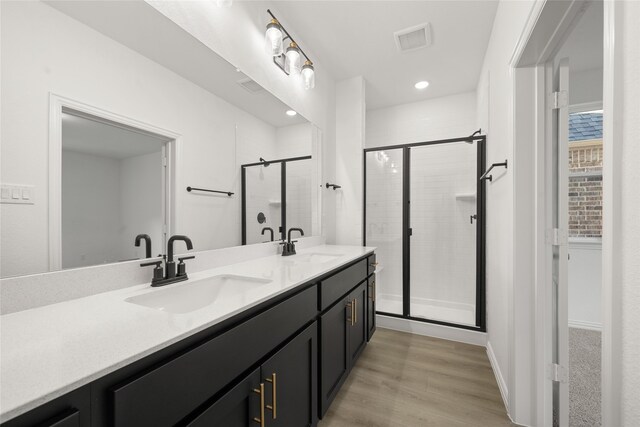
470 140
264 162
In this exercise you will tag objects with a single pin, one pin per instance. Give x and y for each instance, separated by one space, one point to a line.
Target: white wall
69 59
294 140
141 204
350 129
586 86
439 118
585 283
91 231
630 196
495 117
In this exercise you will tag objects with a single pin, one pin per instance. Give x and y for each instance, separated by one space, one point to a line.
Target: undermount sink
315 257
195 295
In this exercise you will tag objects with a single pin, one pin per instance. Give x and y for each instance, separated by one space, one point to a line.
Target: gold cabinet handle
350 305
261 393
274 387
374 264
373 291
355 311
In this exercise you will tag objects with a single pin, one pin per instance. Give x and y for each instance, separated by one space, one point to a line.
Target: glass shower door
263 202
384 225
443 216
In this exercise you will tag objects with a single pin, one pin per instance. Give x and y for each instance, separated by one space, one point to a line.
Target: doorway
424 211
547 89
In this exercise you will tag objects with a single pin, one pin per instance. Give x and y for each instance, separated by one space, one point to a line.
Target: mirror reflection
112 190
114 112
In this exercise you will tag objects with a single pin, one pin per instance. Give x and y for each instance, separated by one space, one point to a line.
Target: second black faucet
289 247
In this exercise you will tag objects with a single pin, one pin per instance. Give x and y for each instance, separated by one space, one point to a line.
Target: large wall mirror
117 123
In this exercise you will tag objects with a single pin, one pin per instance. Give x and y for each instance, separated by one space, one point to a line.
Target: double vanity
264 342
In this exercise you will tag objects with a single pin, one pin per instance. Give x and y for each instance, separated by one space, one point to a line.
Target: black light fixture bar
288 35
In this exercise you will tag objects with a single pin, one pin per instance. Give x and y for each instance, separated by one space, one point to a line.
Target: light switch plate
16 194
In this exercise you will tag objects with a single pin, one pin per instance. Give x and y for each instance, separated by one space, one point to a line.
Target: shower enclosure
276 195
424 211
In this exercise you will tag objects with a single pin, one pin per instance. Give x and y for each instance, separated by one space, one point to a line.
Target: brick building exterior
585 175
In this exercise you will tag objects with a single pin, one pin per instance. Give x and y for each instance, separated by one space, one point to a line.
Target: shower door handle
472 217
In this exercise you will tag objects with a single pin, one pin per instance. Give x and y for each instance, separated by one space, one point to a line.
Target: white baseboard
592 326
502 385
432 330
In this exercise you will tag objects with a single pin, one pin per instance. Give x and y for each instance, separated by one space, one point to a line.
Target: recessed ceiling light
291 113
422 85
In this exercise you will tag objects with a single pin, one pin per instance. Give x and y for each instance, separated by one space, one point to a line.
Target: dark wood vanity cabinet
343 335
279 364
281 392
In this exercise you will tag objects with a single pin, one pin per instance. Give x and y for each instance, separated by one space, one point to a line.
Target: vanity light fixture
292 63
273 38
291 113
308 75
422 85
290 60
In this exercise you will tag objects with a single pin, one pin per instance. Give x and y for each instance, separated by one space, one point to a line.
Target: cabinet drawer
70 410
167 394
336 286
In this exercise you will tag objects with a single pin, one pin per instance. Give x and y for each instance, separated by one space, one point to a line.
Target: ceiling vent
250 85
413 38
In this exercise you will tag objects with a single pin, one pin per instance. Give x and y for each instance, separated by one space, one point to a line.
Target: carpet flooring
584 378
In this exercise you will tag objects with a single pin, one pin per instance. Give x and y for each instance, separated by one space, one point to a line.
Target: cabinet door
357 302
334 345
290 378
371 307
239 407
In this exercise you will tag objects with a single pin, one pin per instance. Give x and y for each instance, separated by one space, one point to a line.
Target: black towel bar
490 177
228 193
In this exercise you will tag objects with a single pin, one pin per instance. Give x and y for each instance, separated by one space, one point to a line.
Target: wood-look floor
407 380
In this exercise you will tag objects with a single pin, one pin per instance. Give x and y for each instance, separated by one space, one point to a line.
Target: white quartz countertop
48 351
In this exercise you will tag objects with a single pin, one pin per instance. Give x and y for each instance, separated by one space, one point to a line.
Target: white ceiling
584 45
87 136
142 28
353 38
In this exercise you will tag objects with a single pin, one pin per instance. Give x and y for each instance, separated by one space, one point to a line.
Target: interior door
559 246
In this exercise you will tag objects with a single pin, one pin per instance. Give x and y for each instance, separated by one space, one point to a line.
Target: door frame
481 141
529 398
59 104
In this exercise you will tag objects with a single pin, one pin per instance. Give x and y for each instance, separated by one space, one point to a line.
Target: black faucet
268 229
289 247
160 279
171 265
147 240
